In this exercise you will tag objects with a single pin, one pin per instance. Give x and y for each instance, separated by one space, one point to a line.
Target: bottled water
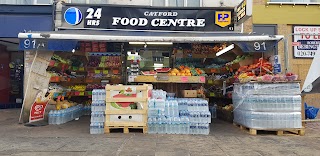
178 116
150 126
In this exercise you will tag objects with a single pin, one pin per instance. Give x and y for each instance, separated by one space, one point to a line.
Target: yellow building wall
285 17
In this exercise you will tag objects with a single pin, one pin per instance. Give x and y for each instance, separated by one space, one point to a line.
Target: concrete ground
73 139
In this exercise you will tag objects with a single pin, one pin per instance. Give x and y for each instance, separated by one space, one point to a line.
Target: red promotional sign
37 111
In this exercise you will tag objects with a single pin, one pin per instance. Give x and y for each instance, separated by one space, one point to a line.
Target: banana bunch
243 76
80 88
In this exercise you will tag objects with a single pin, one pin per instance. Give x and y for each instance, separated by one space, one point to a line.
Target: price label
162 78
213 70
212 94
97 71
202 79
210 82
184 79
105 72
81 69
81 93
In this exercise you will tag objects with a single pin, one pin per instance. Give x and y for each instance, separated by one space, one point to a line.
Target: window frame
185 3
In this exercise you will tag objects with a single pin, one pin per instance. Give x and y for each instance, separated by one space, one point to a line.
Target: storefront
15 19
189 52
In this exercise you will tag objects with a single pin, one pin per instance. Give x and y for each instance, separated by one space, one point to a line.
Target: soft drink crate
289 88
268 120
265 103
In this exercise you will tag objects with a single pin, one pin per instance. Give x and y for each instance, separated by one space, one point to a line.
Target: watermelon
163 70
124 104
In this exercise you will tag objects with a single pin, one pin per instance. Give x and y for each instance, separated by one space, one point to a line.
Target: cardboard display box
189 93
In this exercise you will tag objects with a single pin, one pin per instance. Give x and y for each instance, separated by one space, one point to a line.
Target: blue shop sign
12 25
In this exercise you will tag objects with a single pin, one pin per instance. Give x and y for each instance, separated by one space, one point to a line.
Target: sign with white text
147 18
308 41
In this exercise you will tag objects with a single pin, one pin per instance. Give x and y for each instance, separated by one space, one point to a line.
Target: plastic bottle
169 125
50 117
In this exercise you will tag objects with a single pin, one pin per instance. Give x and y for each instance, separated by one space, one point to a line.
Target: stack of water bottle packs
98 108
178 116
267 106
57 117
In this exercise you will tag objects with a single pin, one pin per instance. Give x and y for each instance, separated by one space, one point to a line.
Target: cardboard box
189 93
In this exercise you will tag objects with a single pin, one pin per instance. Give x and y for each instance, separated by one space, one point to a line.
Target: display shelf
73 93
104 53
170 79
222 70
102 68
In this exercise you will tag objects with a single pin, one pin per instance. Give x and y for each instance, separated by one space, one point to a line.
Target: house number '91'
260 46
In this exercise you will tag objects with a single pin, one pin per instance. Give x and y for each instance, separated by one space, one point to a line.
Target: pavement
73 139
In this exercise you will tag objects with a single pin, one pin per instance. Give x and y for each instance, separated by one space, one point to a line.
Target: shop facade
181 55
15 19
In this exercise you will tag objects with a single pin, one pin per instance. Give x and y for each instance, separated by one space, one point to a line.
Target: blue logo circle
73 16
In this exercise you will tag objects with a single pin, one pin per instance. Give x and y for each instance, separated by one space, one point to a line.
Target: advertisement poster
38 108
308 41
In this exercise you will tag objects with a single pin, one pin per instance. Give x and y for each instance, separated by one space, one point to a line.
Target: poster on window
307 42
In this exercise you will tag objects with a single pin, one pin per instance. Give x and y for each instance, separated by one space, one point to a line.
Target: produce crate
118 107
55 79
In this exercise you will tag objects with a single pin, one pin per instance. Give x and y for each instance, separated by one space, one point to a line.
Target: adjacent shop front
15 19
151 68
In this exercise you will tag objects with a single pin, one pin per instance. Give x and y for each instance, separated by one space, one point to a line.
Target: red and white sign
307 43
37 111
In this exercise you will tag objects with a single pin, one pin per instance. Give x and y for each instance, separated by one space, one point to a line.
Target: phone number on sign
305 54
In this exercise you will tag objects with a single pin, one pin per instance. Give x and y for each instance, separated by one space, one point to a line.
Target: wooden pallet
280 132
126 129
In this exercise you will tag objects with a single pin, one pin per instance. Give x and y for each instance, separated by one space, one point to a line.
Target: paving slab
73 138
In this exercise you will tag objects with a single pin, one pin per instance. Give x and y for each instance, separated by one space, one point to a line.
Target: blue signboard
44 44
257 46
12 25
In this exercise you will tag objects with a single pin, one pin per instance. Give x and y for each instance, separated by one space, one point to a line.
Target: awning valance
149 36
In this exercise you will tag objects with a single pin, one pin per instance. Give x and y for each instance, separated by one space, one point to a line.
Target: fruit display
59 59
149 73
239 58
186 71
90 87
163 70
64 104
197 48
260 67
93 46
79 88
105 61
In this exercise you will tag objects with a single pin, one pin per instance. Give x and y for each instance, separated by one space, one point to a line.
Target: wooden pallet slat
123 112
279 132
126 129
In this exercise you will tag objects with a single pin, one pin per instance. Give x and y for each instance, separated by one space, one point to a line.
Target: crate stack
267 106
119 115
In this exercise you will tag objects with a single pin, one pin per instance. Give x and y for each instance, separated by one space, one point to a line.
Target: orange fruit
173 74
183 74
178 74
